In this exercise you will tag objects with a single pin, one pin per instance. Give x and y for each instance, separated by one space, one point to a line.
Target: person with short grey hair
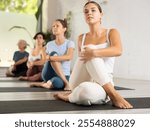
20 58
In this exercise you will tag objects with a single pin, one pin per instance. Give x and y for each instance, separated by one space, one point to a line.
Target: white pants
88 93
93 71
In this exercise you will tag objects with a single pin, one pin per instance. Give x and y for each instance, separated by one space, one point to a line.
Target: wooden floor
141 89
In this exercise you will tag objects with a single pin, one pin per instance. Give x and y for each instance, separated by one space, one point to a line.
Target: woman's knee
45 70
91 92
57 83
53 53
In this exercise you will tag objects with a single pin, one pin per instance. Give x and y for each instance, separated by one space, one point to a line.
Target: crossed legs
96 69
57 67
53 76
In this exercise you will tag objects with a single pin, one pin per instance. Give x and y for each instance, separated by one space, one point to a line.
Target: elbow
70 57
119 53
43 61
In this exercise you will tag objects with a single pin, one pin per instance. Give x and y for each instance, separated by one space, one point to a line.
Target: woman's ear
65 29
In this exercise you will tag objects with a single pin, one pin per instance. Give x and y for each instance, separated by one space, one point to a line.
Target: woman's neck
38 46
22 50
60 39
95 29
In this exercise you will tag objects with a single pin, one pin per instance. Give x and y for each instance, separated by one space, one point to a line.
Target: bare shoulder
42 50
113 31
80 42
114 37
80 37
32 50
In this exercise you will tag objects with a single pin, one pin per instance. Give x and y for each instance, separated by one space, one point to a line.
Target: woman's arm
115 48
79 43
68 56
42 60
21 61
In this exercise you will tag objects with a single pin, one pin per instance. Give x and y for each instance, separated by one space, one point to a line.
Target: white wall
61 8
52 10
131 18
9 39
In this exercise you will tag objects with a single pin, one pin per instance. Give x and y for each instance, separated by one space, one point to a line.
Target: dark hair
64 24
39 33
95 3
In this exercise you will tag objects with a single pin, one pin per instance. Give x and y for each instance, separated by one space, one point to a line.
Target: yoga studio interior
131 75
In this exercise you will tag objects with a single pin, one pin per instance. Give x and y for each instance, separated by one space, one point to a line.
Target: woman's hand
47 57
87 54
30 64
13 67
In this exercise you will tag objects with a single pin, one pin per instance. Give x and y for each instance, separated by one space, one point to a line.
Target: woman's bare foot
36 84
47 84
116 98
67 87
62 96
120 102
23 78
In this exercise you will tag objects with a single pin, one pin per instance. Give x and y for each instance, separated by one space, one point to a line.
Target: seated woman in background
20 58
56 71
36 59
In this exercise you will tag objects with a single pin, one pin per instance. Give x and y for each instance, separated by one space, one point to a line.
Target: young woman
97 51
36 59
56 71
